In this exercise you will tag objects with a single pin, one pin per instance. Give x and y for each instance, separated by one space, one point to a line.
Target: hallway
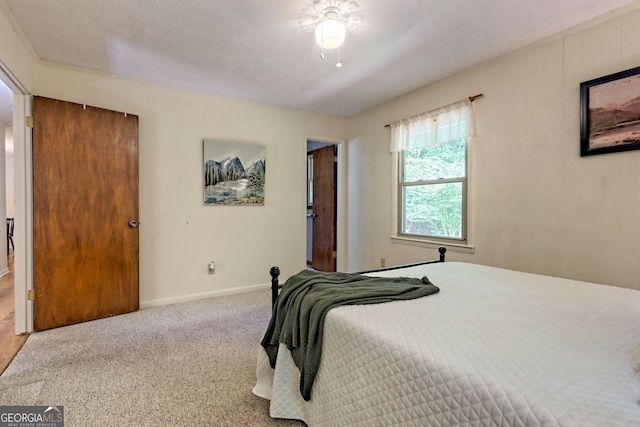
10 344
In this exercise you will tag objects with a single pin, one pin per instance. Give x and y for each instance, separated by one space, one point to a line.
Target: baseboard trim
204 295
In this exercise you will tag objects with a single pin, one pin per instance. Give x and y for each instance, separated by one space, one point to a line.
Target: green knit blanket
298 315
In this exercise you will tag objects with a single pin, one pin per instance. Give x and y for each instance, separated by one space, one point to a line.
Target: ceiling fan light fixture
330 31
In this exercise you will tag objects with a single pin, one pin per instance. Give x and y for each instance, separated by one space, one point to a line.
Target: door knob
133 223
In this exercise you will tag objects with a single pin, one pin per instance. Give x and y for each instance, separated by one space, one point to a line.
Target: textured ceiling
258 50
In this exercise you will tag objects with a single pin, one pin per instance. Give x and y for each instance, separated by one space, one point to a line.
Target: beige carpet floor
190 364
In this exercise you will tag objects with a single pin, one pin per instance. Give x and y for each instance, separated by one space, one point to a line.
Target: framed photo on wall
610 113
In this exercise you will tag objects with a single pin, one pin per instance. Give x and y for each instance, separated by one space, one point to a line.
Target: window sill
453 247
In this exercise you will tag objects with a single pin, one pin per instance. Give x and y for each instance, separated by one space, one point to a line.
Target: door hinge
31 296
335 159
335 254
29 121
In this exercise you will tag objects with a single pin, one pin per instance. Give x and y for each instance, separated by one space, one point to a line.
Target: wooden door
324 208
85 192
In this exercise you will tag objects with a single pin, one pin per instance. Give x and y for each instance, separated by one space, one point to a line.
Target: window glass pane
433 210
435 162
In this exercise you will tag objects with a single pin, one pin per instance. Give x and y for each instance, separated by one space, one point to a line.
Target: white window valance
448 123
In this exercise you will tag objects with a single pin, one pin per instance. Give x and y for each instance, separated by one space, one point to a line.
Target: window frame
309 180
400 208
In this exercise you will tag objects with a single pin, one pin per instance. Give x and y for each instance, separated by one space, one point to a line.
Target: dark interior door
324 208
85 193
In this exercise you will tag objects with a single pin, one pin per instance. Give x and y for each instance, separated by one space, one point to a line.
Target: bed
494 347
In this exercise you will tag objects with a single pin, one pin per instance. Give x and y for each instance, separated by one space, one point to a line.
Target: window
309 181
432 173
432 190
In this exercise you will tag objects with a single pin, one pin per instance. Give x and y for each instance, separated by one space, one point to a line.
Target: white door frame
23 257
23 230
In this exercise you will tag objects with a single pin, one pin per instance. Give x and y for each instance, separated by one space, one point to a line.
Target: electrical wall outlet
212 267
383 262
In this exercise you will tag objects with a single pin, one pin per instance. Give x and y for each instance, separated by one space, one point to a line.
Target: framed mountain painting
610 113
234 173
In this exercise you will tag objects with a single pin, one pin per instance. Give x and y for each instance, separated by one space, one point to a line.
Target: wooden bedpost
275 272
442 251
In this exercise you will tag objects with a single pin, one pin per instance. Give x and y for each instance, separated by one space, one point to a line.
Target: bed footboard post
275 272
442 251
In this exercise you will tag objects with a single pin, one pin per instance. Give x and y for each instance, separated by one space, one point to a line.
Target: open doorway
322 205
10 343
22 196
6 161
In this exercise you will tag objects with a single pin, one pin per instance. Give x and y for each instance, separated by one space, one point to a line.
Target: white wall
537 206
178 234
16 55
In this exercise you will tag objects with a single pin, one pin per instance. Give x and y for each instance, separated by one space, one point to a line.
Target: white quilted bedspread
494 348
